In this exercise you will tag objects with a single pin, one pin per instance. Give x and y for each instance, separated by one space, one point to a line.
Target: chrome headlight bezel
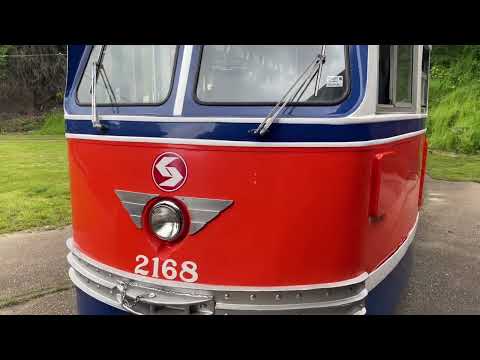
166 220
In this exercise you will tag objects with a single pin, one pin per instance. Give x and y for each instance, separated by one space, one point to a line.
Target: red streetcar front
240 179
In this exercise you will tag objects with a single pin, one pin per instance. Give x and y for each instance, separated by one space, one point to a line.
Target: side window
403 86
425 76
396 78
384 65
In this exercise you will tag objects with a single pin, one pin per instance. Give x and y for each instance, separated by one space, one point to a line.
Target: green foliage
20 124
460 70
33 73
454 121
54 124
4 50
51 123
454 114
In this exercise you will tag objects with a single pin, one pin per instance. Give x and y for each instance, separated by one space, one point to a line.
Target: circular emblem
169 171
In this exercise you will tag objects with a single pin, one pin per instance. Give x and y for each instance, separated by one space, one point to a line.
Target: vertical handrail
375 212
422 172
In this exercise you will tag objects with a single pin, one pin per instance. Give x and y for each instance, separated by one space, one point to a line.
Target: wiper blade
108 86
100 59
100 70
307 75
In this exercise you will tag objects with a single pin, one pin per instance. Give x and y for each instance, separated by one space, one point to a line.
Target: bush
454 117
20 124
53 124
454 121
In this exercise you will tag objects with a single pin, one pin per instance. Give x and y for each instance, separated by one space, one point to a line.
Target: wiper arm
95 122
98 68
307 76
320 68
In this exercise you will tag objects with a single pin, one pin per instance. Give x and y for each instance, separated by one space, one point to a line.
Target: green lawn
34 187
453 167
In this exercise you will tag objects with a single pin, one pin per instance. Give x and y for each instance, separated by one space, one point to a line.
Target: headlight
166 220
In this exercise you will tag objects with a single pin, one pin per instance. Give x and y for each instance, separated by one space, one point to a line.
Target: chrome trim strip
351 119
386 268
176 284
203 204
87 281
317 305
82 286
180 141
201 210
363 311
141 298
134 197
74 263
335 298
134 203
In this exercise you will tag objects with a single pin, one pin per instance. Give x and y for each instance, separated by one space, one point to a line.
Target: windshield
262 73
140 74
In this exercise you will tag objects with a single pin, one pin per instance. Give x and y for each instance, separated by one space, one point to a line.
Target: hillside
454 114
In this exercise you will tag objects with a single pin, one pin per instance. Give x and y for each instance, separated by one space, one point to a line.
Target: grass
53 124
454 121
453 167
34 186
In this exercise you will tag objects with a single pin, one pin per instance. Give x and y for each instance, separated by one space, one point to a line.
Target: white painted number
168 269
190 268
138 268
188 272
156 261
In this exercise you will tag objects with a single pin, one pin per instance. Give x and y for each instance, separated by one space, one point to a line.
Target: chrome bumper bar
143 295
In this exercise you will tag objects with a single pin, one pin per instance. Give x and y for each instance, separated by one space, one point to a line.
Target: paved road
33 273
446 252
445 279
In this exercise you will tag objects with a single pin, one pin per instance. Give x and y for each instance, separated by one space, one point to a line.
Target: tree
36 69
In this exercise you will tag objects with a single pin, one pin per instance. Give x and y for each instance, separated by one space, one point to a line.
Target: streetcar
244 179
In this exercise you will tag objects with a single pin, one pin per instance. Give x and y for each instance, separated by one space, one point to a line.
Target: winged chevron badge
201 210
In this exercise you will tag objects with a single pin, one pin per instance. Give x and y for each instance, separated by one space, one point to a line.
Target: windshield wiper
314 68
98 68
320 68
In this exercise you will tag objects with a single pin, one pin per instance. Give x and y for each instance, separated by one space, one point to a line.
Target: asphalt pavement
445 277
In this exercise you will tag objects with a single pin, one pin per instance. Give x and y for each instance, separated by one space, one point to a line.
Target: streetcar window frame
393 105
424 95
132 104
346 93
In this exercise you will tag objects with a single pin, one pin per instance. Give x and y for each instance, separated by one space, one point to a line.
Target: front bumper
147 296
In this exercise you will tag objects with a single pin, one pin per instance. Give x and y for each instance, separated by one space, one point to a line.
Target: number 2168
187 271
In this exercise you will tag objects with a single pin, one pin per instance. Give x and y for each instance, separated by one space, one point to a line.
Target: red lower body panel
299 215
